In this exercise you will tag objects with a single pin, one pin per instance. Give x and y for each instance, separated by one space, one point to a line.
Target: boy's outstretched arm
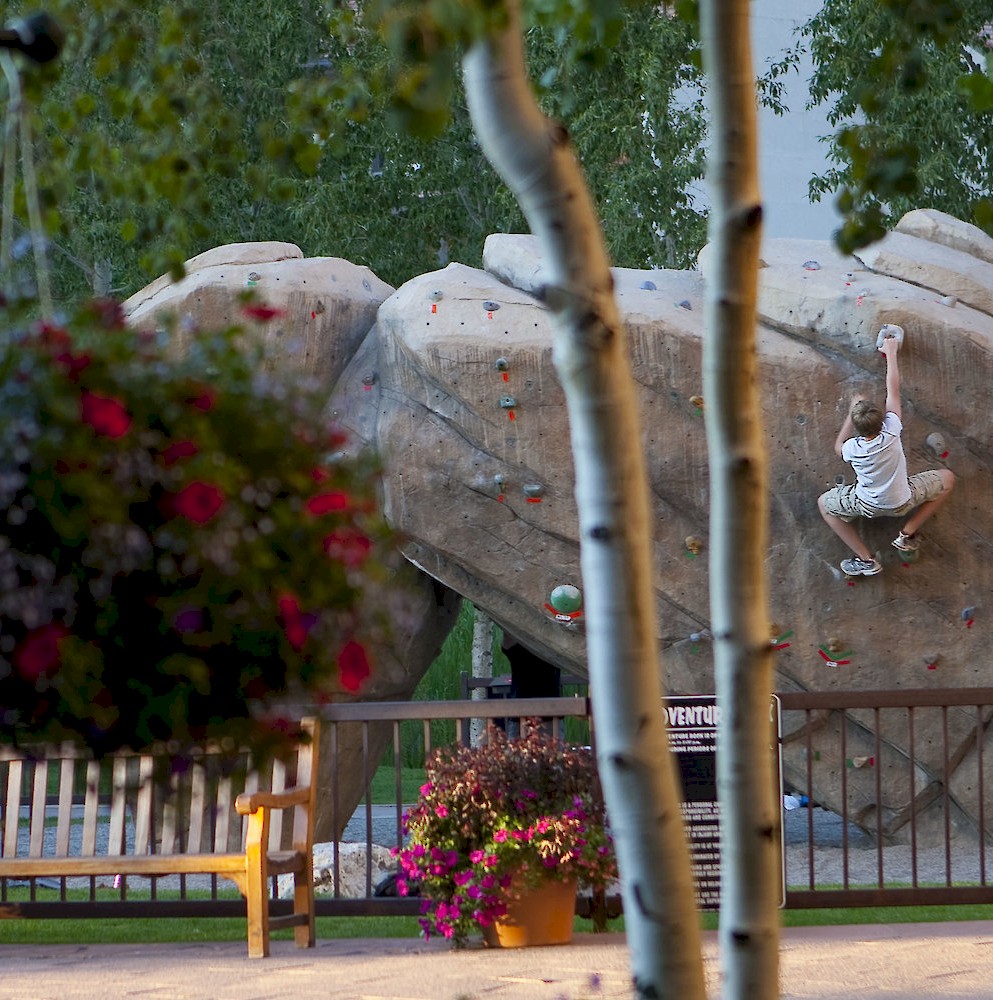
890 348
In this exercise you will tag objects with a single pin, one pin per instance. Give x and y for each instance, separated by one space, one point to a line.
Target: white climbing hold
889 331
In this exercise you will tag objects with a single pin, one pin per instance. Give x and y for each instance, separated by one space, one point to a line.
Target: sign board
692 727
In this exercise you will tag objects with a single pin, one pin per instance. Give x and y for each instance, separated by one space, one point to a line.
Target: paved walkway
870 962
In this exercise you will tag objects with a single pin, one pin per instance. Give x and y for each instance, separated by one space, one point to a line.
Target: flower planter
540 915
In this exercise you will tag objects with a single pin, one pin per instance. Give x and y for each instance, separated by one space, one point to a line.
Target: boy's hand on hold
889 347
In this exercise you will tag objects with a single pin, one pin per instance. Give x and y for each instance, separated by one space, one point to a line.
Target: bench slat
222 819
91 806
118 803
143 806
15 771
67 775
125 864
198 807
39 799
170 808
278 785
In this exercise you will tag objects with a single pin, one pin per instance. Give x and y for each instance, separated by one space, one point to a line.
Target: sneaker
906 543
861 567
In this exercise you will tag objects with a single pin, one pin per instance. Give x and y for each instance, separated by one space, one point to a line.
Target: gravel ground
962 864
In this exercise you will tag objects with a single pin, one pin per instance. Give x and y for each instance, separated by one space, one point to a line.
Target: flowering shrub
182 547
496 819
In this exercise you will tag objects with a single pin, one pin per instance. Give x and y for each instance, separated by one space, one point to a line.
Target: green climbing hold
566 599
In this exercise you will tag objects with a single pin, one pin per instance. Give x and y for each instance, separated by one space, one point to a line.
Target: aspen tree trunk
750 812
591 356
482 666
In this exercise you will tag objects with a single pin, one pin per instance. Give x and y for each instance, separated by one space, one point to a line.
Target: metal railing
910 799
894 783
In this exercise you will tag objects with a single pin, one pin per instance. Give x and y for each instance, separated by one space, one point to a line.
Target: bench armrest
248 803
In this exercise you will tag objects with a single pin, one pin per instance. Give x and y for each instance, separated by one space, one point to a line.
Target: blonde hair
867 418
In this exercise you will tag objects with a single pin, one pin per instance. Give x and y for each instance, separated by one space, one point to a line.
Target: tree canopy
903 84
165 129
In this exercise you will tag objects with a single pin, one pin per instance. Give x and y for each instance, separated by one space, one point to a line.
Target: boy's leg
845 530
930 507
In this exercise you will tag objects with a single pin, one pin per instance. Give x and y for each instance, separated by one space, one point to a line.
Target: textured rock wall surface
479 473
452 378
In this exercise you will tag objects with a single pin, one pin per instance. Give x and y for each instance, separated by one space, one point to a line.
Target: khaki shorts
841 502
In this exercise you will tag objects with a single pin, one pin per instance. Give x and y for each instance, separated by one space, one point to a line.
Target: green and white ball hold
566 599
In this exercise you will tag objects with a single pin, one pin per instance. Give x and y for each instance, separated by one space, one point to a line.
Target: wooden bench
212 813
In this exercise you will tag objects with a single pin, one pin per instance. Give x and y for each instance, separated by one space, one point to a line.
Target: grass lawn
129 930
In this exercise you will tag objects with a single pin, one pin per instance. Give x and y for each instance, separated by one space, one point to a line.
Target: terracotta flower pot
541 915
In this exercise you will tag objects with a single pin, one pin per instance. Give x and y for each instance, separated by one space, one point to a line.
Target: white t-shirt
880 465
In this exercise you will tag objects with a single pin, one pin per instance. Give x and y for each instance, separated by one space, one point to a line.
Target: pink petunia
204 400
198 502
353 666
106 415
348 546
38 652
178 450
188 620
326 503
297 624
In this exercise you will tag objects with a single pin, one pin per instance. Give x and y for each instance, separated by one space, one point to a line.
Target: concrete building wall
789 151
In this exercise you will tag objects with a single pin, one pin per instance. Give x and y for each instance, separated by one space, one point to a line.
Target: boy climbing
869 440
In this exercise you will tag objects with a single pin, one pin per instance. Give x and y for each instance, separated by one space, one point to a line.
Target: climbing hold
684 304
533 491
811 265
949 300
839 480
968 614
369 380
501 364
693 545
566 599
499 479
700 636
696 401
508 402
649 286
253 279
931 661
861 761
779 641
889 331
491 306
831 659
861 295
436 296
935 444
833 645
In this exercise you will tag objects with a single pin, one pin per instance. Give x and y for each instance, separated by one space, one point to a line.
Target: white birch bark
482 666
750 813
591 356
